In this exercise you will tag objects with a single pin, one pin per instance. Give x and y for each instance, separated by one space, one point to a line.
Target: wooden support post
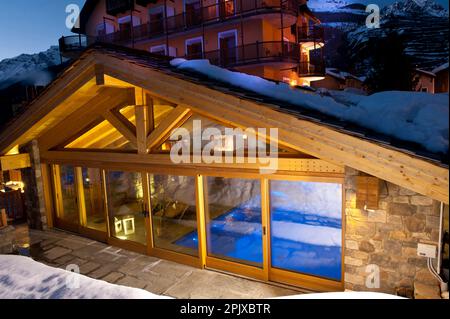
201 220
3 218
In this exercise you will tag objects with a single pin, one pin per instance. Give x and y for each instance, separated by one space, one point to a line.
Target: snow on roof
24 278
440 68
430 73
341 74
410 116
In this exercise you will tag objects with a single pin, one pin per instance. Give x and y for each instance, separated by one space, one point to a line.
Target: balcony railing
258 52
195 18
312 68
312 33
73 43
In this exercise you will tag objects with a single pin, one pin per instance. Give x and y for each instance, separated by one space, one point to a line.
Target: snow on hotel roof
416 117
411 122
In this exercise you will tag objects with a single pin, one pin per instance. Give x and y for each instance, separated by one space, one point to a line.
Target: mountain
328 5
31 69
415 8
424 25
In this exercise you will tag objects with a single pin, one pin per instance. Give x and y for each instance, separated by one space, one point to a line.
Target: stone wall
34 190
388 238
7 237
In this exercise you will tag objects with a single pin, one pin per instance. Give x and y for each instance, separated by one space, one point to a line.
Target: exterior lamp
367 193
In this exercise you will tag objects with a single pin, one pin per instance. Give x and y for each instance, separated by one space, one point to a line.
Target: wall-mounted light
367 192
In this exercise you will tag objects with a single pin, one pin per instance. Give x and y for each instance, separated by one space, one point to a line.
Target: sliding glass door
306 228
126 206
67 211
174 213
233 219
94 204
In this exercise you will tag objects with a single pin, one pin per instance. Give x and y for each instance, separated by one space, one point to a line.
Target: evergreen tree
391 68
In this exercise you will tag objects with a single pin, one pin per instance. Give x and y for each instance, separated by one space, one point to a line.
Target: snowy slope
410 116
424 23
415 7
30 67
24 278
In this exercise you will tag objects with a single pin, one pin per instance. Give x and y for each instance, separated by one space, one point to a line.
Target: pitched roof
162 64
309 131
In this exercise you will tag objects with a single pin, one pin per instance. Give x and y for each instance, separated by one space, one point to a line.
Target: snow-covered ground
24 278
409 116
345 295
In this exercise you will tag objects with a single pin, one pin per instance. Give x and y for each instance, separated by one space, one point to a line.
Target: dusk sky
31 26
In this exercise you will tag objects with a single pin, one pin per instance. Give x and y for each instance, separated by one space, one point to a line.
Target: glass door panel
306 228
94 199
68 208
234 220
174 214
126 205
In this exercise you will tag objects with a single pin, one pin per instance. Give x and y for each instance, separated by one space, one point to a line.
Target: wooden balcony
205 16
287 53
114 7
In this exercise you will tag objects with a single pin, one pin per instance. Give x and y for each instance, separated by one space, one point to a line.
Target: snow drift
410 116
24 278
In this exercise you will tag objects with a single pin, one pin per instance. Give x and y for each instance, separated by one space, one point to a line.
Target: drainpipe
441 217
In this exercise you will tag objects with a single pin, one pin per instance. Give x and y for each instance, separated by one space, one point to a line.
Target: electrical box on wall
425 250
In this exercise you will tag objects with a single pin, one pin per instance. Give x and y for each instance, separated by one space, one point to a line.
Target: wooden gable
96 74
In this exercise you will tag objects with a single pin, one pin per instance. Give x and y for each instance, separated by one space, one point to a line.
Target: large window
94 199
126 206
306 227
68 209
233 220
174 213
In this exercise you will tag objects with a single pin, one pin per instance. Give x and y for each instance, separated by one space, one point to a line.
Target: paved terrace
100 261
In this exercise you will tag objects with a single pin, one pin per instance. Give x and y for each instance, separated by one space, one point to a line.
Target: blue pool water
237 235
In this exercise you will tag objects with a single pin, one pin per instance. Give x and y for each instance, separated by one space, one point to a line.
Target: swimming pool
303 243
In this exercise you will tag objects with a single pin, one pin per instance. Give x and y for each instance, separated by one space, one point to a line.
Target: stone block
432 222
354 279
407 270
401 199
406 192
366 246
392 247
113 277
415 224
353 261
398 235
56 253
378 216
420 200
351 244
394 220
423 291
400 209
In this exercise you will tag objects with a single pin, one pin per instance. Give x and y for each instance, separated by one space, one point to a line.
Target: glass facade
304 237
94 199
306 227
174 213
68 211
126 206
233 220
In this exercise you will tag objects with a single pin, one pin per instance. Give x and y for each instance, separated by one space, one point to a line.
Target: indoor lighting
293 82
